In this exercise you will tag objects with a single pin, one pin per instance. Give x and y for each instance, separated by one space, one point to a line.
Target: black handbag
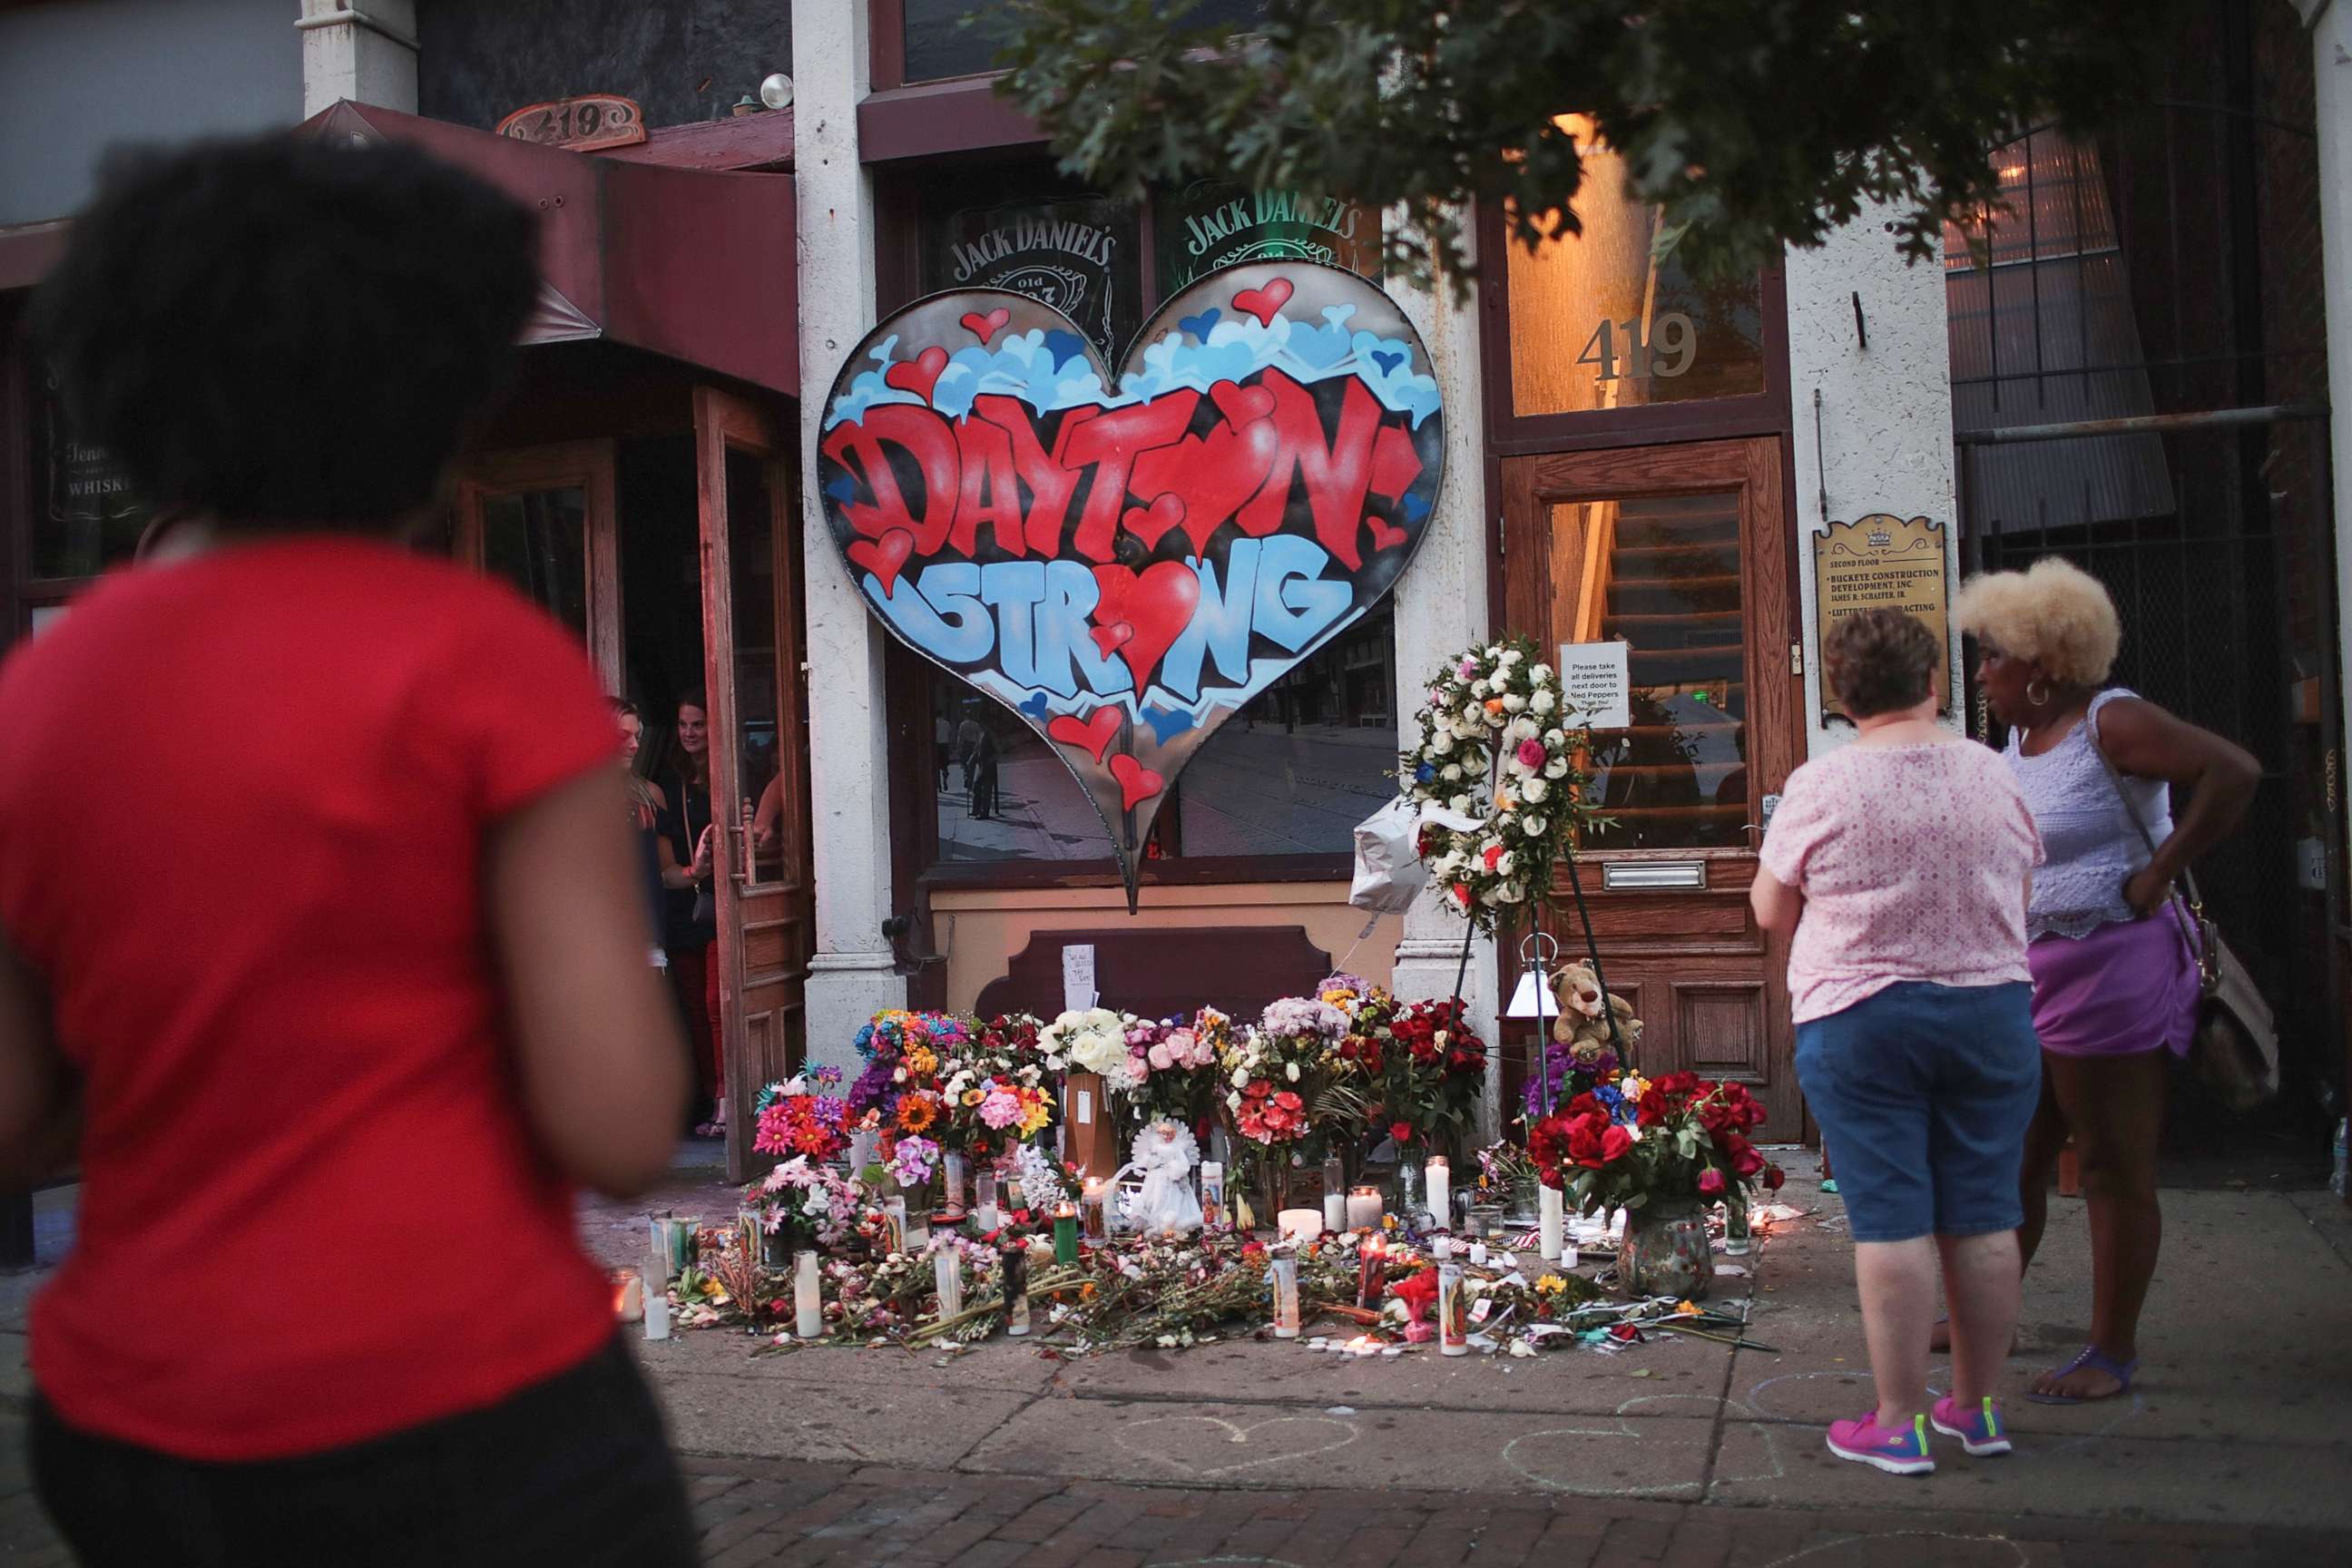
2235 1048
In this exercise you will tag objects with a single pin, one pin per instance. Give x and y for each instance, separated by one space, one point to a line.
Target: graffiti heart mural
1125 560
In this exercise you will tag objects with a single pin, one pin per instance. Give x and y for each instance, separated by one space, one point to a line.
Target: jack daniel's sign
1075 255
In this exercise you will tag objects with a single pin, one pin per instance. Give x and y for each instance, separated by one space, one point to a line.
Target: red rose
1614 1142
1774 1178
1400 1130
1748 1162
1585 1104
1584 1145
1710 1183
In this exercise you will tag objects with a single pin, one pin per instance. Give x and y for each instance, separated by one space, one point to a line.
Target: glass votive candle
628 1296
1487 1221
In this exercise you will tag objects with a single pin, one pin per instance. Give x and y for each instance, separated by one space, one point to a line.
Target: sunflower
917 1112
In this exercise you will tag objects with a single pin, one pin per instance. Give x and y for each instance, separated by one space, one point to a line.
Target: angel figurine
1164 1155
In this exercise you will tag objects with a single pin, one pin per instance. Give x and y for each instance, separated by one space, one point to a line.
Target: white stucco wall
1885 429
850 978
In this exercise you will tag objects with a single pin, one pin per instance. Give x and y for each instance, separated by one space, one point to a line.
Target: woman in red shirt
337 1030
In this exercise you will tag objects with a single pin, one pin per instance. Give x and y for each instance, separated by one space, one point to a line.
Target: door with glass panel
1680 552
542 519
753 654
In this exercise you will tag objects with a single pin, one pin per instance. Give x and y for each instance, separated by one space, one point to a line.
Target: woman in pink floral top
1902 862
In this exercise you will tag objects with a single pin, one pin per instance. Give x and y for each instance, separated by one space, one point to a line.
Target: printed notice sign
1881 561
1597 683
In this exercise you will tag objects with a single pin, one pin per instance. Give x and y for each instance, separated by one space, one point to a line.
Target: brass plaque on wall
1881 561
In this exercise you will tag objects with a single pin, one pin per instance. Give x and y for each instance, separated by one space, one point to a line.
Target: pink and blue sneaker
1980 1431
1898 1450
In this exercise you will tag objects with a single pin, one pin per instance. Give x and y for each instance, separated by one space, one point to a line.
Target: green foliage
1754 122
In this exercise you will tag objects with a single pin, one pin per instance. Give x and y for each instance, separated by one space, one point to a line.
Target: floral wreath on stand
1496 780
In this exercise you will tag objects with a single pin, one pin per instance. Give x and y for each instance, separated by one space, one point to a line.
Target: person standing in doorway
983 775
691 929
646 803
333 1036
1901 863
2116 977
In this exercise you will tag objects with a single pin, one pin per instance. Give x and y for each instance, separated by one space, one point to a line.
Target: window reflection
538 540
751 574
1663 575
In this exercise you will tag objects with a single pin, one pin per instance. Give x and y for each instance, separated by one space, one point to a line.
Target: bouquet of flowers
802 1117
1276 1070
1422 1067
1172 1062
899 1093
812 1205
1678 1138
1496 777
995 1090
1092 1039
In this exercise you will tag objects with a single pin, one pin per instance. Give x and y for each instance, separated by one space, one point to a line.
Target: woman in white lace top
2115 975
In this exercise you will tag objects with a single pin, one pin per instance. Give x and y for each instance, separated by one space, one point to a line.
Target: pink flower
1001 1110
1710 1183
1531 753
1160 1059
1468 670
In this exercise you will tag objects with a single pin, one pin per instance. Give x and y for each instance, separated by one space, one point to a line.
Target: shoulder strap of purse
2188 879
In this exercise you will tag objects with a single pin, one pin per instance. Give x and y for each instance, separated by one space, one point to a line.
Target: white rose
1496 651
1533 790
1555 739
1241 1079
1291 1072
1533 824
1233 1102
1543 701
1460 803
1513 702
1504 866
1474 713
1477 689
1509 656
1557 768
1506 801
1451 772
1441 744
1539 672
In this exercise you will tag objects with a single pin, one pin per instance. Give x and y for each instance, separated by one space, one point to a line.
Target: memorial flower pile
1680 1137
1174 1064
898 1094
1496 780
1274 1072
811 1206
806 1116
997 1089
1092 1039
1421 1067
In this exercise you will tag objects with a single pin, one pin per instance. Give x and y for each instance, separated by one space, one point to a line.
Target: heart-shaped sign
1125 561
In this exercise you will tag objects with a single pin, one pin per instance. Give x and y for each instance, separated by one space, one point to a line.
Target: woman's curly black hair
286 331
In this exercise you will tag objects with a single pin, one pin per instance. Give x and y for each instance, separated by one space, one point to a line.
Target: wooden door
1682 551
746 491
543 519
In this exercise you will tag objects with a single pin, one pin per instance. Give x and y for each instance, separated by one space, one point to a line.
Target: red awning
694 265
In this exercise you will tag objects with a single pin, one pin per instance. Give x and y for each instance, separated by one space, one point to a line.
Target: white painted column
363 50
850 977
1440 608
2331 72
1885 428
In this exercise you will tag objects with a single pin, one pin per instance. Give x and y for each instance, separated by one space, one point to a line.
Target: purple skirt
2126 987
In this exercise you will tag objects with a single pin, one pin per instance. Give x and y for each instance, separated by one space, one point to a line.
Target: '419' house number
1619 349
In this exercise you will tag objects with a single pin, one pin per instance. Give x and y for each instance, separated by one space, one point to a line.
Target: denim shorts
1924 1092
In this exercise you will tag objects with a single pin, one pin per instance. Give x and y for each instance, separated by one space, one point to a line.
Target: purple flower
912 1162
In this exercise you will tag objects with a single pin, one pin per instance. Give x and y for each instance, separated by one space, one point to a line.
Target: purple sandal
2090 1357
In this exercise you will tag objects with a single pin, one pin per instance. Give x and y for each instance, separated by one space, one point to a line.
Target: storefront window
956 38
1213 224
1610 318
89 518
1028 234
538 540
751 571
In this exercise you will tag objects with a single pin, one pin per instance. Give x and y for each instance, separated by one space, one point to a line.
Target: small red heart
883 556
1242 405
988 326
1385 535
1110 639
1155 606
1148 523
1136 782
919 374
1094 731
1264 302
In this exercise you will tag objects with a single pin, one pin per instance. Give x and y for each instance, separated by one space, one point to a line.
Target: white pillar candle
954 1169
1453 1324
1555 1215
1478 1254
657 1313
1300 1225
946 1267
1213 1194
1095 1209
1334 1211
1439 1174
628 1296
984 1210
808 1312
1567 1256
1285 1294
1363 1208
893 1214
919 1229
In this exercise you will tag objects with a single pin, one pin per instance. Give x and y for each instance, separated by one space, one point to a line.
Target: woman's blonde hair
2052 613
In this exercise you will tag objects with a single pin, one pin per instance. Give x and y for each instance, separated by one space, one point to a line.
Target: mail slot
1650 875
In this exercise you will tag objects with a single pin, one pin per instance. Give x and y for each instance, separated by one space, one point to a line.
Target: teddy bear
1580 1026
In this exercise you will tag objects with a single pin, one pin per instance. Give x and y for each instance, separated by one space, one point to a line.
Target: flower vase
1665 1251
1526 1194
808 1311
862 1146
